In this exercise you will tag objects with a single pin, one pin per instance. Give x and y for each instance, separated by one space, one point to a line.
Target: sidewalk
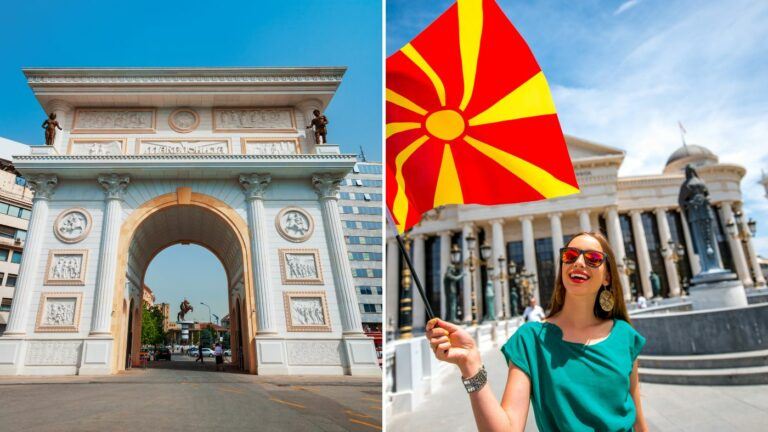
667 407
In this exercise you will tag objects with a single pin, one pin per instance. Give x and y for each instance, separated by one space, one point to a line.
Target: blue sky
623 73
197 33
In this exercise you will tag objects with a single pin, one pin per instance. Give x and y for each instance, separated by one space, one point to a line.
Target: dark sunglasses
594 259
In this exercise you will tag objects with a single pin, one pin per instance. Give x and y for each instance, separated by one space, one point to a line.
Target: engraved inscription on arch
183 146
53 353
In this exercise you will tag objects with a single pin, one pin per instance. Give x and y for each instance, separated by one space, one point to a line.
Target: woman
578 368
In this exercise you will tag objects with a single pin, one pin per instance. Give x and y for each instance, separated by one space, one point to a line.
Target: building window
5 305
365 290
344 195
25 214
4 254
358 182
350 224
545 269
370 308
7 232
21 235
367 196
379 290
11 281
16 257
653 241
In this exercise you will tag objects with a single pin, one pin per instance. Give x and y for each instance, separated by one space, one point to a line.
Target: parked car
163 353
192 352
228 353
207 352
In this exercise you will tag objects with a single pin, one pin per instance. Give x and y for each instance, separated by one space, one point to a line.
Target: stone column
557 235
584 224
669 263
759 279
529 253
254 186
419 310
445 260
114 186
497 238
327 188
43 185
393 278
62 110
693 259
643 257
617 243
737 252
466 283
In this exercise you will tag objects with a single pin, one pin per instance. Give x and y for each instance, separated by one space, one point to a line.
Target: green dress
576 387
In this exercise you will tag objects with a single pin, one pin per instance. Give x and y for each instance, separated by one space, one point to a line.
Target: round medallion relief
184 120
72 225
294 224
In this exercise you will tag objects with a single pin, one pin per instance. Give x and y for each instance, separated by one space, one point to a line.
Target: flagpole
414 275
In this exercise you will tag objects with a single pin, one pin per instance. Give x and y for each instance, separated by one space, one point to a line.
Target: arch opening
162 223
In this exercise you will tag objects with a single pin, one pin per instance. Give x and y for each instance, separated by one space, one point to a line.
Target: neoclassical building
639 214
219 157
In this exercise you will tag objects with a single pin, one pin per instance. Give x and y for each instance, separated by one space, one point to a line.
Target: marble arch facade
151 157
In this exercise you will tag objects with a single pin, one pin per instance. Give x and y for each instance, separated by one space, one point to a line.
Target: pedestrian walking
578 367
200 353
218 352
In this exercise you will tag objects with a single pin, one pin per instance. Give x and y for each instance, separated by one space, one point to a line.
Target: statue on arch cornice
50 125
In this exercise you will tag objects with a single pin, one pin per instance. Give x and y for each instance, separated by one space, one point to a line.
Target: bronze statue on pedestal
50 125
184 308
319 123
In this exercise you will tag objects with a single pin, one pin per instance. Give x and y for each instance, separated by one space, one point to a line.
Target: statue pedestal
185 331
717 289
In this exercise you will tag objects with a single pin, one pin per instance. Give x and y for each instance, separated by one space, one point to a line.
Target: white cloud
705 66
626 6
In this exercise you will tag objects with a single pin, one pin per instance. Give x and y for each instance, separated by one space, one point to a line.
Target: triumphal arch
219 157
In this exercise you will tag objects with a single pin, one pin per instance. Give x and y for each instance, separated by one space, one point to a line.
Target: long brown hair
619 307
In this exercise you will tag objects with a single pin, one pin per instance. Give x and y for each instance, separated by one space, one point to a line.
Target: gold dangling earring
606 299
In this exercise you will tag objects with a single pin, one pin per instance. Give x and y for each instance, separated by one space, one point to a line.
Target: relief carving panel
300 267
96 147
72 225
253 119
294 224
66 267
306 311
128 120
58 312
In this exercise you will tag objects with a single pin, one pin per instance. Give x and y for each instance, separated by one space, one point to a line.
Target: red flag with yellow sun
470 119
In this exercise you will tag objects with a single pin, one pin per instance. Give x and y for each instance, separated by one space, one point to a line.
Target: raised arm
452 344
634 390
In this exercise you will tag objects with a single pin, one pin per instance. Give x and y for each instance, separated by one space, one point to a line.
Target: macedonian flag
470 119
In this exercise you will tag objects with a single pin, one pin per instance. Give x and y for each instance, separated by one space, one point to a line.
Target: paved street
183 395
667 407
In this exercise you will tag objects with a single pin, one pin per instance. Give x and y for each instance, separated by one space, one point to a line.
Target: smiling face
580 279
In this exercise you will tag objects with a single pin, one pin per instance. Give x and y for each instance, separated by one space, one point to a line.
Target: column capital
58 105
555 215
583 211
327 185
445 233
43 185
658 210
114 185
634 212
468 226
254 185
525 218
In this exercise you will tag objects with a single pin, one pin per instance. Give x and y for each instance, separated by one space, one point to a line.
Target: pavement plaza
668 408
183 395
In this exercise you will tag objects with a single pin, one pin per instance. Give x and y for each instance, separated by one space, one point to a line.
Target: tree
152 325
208 337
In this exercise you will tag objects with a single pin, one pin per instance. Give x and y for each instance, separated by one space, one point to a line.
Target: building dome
693 154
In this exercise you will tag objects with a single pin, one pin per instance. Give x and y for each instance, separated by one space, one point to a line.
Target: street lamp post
209 311
471 264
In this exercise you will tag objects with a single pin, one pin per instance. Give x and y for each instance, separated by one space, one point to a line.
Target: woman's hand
452 344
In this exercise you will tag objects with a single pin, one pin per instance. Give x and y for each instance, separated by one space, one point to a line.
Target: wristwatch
476 382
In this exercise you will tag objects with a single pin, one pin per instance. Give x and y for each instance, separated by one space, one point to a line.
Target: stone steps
720 376
706 361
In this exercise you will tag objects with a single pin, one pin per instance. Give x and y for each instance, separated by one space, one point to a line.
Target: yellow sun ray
404 102
531 99
470 30
400 205
422 64
448 190
542 181
395 127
